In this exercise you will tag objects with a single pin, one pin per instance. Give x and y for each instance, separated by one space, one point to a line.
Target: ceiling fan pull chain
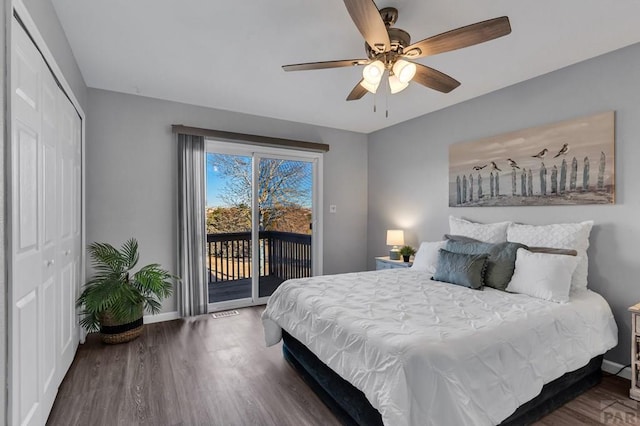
375 98
386 100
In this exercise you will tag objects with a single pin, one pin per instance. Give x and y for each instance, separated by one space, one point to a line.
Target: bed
394 347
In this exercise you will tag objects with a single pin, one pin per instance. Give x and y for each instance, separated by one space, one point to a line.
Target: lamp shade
372 73
395 237
371 87
395 85
404 70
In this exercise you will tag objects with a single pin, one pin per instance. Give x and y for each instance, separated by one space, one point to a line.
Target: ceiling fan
389 50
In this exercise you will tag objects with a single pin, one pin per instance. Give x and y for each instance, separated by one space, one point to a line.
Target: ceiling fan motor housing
399 40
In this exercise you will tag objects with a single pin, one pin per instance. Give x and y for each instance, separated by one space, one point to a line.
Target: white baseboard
613 367
165 316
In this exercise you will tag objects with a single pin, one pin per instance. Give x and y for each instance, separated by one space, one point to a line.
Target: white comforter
431 353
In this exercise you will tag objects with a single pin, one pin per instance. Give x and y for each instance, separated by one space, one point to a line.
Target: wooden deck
240 289
281 256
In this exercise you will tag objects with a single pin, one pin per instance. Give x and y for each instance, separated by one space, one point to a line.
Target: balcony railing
283 255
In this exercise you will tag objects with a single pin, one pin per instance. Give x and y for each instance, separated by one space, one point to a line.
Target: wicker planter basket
114 332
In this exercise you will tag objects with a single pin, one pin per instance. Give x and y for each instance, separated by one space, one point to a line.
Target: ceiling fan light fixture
404 70
395 85
372 73
371 87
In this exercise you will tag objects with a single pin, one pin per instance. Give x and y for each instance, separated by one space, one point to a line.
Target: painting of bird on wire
567 163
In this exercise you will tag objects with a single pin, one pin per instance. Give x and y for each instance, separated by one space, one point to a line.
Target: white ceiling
228 55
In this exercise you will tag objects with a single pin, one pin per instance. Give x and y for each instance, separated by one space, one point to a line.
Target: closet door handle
67 253
49 263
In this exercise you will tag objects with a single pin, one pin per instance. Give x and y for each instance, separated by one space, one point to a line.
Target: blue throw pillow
500 264
461 269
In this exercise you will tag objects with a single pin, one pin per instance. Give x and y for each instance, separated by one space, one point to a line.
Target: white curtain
193 296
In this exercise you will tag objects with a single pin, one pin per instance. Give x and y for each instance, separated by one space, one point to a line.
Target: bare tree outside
284 194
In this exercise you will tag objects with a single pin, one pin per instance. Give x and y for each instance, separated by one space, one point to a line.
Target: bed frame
352 407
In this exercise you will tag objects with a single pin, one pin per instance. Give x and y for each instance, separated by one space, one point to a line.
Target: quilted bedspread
430 353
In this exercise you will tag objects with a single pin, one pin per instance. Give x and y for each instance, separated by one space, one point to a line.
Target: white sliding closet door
28 261
45 234
49 361
69 243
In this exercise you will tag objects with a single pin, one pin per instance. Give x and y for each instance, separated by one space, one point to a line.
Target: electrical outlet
333 208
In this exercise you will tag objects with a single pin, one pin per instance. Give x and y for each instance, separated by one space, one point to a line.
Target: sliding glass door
262 220
228 219
285 220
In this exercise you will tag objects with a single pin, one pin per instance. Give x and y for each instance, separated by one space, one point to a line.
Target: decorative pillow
573 236
487 233
541 275
461 269
548 250
426 259
500 263
460 238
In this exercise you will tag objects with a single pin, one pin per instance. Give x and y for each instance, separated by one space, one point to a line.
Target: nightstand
386 263
634 392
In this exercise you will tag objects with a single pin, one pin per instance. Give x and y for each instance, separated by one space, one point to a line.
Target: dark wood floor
206 371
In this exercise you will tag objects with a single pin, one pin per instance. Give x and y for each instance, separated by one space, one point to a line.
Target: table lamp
395 238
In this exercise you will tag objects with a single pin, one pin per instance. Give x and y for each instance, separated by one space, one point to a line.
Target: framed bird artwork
566 163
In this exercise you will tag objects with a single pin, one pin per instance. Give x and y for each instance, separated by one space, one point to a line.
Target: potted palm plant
114 299
407 252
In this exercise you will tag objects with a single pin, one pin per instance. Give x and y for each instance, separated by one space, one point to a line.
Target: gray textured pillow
501 260
460 238
549 250
461 269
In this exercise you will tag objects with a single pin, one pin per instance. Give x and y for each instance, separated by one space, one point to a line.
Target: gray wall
3 283
44 15
408 170
132 162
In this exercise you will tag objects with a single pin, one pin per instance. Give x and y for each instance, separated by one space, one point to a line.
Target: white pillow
485 232
573 236
542 275
426 259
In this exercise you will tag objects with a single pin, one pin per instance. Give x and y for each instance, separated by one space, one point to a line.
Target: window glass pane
285 197
228 220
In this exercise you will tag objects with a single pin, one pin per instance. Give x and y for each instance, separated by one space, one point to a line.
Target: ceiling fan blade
324 65
366 16
357 93
434 79
459 38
